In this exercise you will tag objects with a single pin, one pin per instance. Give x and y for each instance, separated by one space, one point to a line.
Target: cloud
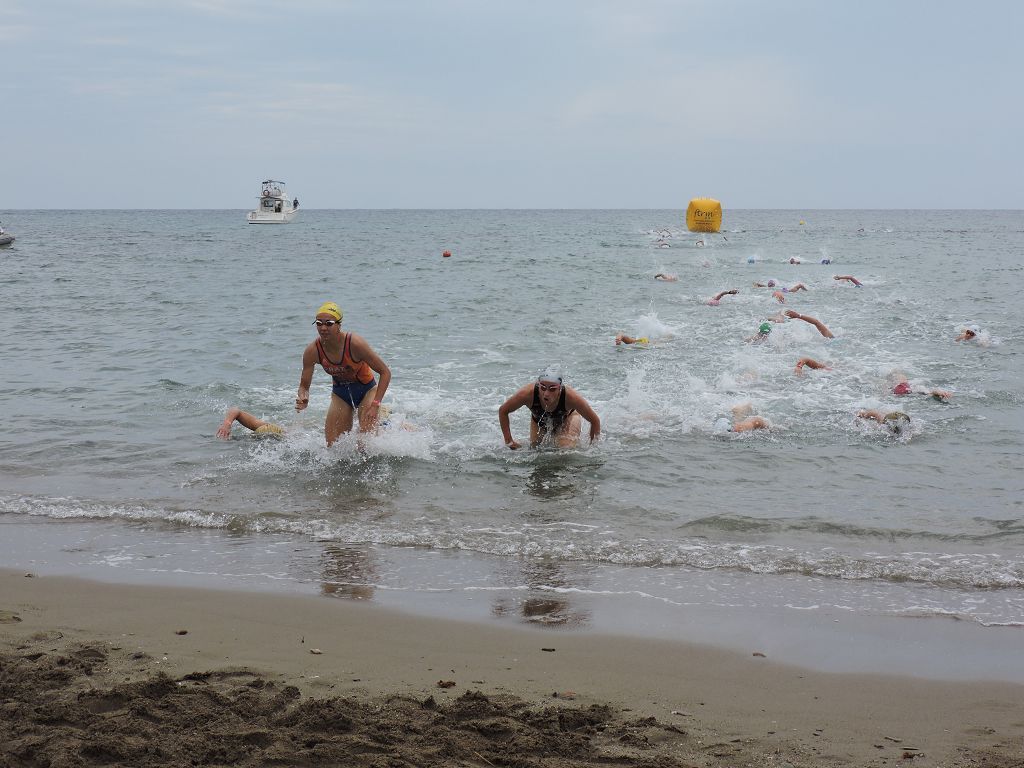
756 98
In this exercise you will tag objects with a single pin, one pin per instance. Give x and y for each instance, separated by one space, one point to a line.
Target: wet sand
98 674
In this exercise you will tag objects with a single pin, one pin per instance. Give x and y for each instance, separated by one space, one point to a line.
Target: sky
526 104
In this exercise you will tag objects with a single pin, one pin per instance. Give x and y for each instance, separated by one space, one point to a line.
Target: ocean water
129 333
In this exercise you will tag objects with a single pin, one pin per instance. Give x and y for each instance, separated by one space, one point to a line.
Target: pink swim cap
903 388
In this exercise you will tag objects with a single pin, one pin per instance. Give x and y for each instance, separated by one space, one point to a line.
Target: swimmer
785 289
901 386
777 295
794 260
813 321
715 300
763 330
896 421
668 278
811 363
743 421
555 407
849 279
624 339
967 335
258 426
261 428
351 363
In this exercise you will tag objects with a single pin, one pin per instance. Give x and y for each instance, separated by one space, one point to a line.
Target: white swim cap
551 374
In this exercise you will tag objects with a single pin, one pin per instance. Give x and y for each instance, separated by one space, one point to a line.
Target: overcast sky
548 104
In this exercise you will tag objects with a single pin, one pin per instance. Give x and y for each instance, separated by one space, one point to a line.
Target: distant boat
275 206
5 238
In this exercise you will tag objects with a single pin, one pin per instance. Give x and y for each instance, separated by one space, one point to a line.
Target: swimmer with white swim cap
556 410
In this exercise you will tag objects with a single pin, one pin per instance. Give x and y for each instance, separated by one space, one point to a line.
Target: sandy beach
100 674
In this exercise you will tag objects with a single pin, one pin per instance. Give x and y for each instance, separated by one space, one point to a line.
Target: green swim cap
765 328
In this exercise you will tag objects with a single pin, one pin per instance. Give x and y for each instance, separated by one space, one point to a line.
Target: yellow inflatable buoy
704 215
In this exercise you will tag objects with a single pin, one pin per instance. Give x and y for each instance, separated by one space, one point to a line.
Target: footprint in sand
9 617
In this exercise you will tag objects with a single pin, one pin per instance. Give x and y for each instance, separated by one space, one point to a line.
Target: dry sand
97 674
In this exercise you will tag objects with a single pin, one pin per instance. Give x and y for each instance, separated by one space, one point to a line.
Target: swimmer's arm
575 400
308 361
244 418
811 363
514 403
876 415
224 432
812 320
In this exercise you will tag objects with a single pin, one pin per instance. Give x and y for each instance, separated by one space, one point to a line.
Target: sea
825 540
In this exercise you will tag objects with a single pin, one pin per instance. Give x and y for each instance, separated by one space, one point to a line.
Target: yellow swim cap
330 308
269 429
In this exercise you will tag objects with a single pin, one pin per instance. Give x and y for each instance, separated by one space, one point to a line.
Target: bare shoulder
522 395
573 397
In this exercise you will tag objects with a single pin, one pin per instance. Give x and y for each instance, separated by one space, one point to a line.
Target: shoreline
783 617
710 695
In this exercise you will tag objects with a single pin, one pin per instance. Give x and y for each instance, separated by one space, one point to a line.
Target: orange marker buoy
446 254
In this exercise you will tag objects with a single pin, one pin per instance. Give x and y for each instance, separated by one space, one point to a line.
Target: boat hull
255 217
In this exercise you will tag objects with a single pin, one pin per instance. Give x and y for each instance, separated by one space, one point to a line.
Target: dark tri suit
546 420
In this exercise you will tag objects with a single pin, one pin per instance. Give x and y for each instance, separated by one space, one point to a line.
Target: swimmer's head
332 309
897 422
713 302
269 430
771 283
764 328
903 388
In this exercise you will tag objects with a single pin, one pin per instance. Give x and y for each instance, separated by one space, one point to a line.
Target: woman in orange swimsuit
351 362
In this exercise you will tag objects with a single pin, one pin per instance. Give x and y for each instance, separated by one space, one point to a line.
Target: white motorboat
5 237
275 206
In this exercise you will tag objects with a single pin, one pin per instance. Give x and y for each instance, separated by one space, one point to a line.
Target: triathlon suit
352 380
552 420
